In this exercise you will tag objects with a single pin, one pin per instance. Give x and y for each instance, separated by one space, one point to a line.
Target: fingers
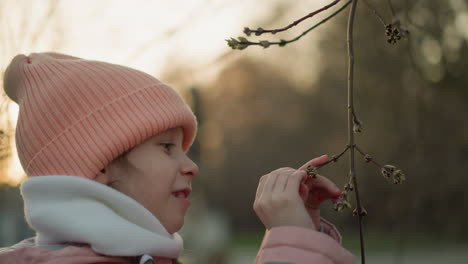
282 179
261 184
288 197
321 189
324 184
320 185
268 182
292 185
272 179
315 162
278 202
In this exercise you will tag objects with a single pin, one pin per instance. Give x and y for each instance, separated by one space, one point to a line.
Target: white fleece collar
74 209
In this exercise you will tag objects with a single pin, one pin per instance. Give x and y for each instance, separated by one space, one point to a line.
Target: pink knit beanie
76 115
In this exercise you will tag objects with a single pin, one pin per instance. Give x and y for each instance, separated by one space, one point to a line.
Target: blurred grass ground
382 248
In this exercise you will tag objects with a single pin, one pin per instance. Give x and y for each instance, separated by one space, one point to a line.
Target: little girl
109 180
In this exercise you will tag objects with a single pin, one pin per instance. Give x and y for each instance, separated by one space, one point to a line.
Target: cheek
157 186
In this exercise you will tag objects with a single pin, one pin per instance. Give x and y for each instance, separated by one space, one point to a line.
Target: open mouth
183 194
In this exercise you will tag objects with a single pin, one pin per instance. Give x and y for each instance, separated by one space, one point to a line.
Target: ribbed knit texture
77 115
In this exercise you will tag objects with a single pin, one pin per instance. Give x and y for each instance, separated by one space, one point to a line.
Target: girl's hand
277 201
316 190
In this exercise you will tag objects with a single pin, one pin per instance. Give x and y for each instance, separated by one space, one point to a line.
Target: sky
151 36
159 36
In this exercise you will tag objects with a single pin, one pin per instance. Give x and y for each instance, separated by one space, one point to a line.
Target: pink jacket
103 209
281 244
303 246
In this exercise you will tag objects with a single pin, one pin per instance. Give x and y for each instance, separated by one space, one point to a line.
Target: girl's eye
167 146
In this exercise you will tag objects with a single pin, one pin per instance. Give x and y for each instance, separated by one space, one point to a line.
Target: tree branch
391 7
242 43
351 116
368 158
261 31
374 11
312 171
388 171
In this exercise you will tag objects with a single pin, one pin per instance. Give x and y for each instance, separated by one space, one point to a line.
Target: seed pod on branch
343 203
312 171
259 31
363 212
398 177
357 125
368 158
247 31
349 187
387 171
265 44
240 43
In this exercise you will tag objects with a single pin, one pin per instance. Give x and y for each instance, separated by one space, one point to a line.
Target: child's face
159 169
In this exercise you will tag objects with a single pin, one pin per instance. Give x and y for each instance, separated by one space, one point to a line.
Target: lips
182 193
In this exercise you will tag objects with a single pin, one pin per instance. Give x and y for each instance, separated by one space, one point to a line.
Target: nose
189 167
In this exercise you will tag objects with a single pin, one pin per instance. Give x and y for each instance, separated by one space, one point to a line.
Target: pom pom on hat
12 79
77 115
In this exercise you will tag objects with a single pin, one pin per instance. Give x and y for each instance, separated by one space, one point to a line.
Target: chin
175 226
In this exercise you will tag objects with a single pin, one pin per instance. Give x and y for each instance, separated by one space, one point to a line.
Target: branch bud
343 203
388 170
247 31
242 39
395 32
283 43
357 125
338 207
232 43
239 44
368 158
398 177
363 212
265 44
349 187
312 171
259 31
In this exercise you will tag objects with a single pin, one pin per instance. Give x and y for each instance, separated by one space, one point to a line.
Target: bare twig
335 158
391 7
353 176
388 171
368 158
393 32
242 43
261 31
311 170
374 11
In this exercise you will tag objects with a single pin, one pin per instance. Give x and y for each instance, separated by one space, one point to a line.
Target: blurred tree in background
283 106
411 97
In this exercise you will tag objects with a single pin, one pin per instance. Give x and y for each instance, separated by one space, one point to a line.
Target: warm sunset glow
152 36
13 172
146 35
